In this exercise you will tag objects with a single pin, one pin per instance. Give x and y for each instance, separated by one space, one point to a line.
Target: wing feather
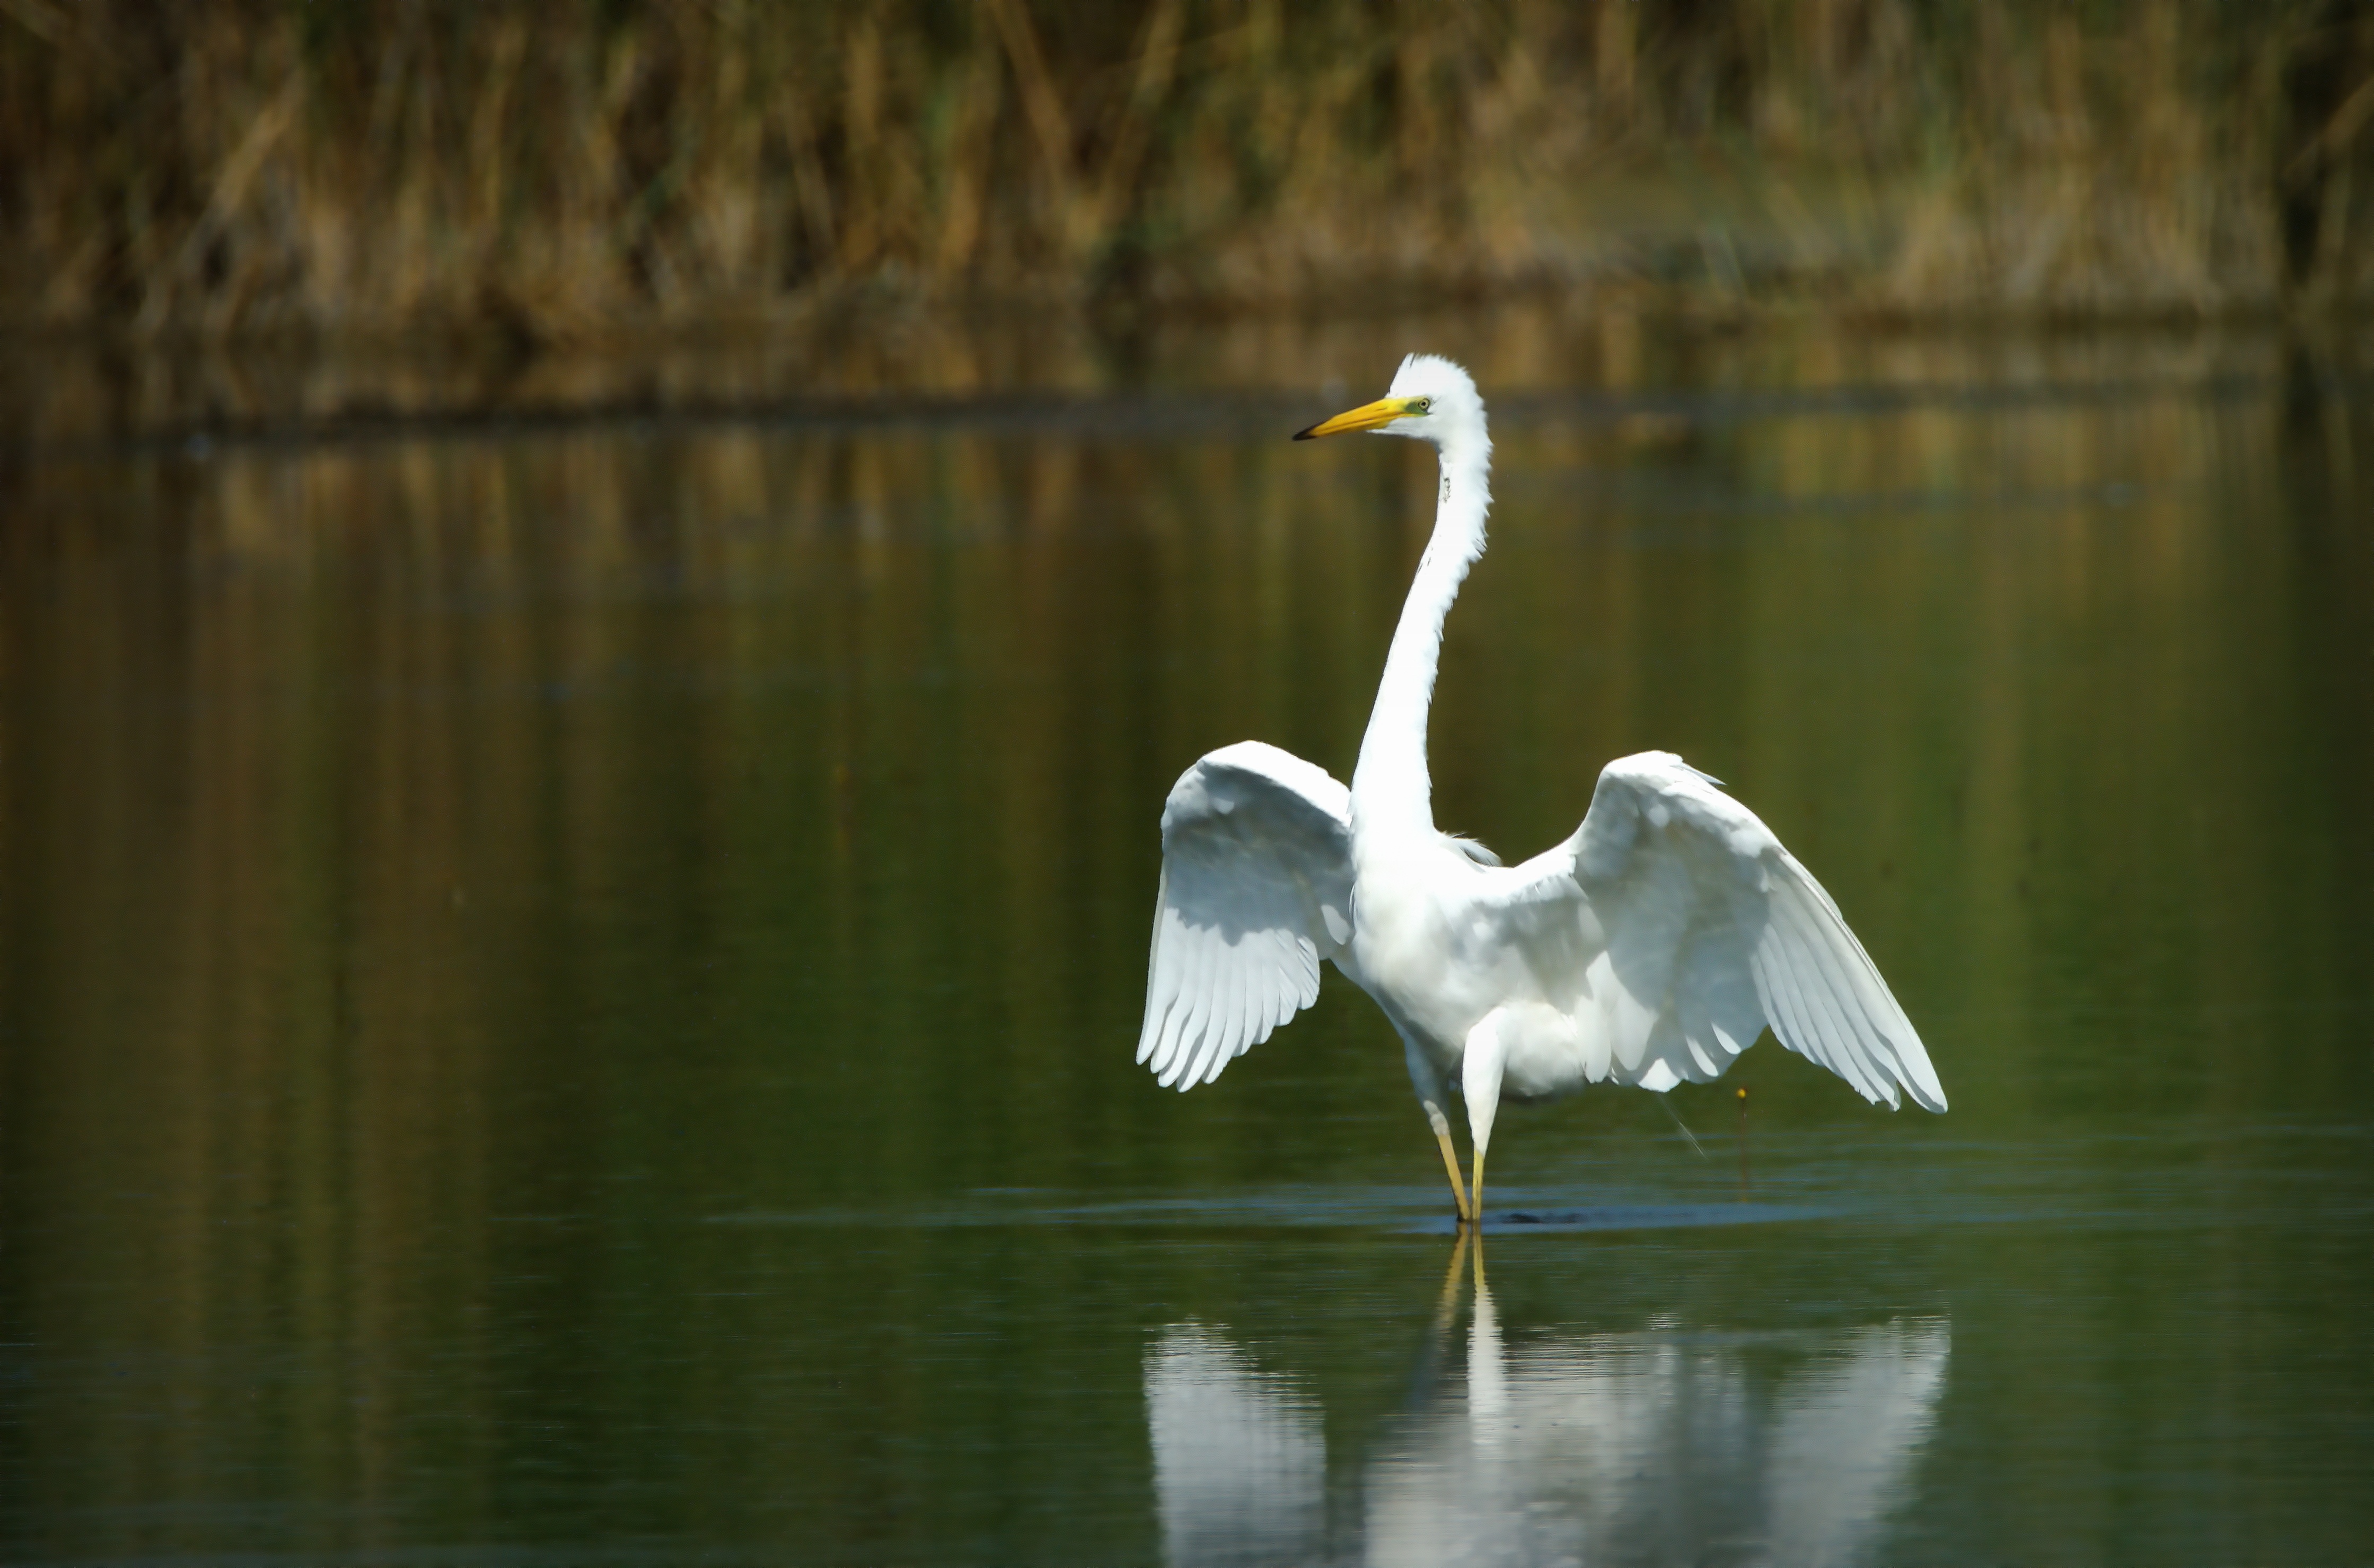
1852 1011
1187 1067
1256 889
1180 976
1793 1023
1806 972
1706 930
1228 1022
1165 991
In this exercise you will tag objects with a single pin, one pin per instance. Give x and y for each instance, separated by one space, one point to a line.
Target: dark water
567 987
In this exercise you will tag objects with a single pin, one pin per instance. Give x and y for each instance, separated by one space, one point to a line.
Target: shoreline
63 394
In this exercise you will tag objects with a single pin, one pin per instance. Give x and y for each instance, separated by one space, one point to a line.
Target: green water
568 985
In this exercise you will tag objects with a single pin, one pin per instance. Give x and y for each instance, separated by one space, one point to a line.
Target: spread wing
1672 927
1256 890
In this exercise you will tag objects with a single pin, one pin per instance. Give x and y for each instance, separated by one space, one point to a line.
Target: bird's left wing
1256 890
1677 927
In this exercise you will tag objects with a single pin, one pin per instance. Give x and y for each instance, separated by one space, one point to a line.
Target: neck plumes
1390 787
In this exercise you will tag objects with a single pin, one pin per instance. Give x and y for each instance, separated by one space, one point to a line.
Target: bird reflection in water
1652 1446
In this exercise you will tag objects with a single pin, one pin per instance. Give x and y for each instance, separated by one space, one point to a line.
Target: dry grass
571 170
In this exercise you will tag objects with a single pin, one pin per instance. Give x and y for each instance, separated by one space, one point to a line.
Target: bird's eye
1423 403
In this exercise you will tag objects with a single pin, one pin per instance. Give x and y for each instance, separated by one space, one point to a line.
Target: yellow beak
1367 417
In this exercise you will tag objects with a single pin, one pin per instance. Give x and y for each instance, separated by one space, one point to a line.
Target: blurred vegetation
564 170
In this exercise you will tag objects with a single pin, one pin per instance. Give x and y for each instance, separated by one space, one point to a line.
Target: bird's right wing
1256 890
1680 926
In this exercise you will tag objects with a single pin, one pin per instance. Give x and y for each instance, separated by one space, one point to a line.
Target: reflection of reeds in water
561 169
374 823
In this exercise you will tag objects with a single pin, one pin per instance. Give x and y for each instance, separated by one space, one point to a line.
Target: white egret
1650 949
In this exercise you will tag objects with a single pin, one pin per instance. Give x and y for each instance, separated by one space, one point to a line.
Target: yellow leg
1476 1193
1450 1164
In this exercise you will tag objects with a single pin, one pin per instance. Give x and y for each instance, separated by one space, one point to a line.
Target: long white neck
1390 789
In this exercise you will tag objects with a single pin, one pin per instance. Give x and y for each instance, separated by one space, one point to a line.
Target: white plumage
1648 949
1256 890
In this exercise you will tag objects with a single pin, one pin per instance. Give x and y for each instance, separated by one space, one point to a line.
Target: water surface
567 987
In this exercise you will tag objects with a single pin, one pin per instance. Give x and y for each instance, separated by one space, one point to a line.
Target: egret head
1431 399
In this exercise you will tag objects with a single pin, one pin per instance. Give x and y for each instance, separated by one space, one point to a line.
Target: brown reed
565 169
